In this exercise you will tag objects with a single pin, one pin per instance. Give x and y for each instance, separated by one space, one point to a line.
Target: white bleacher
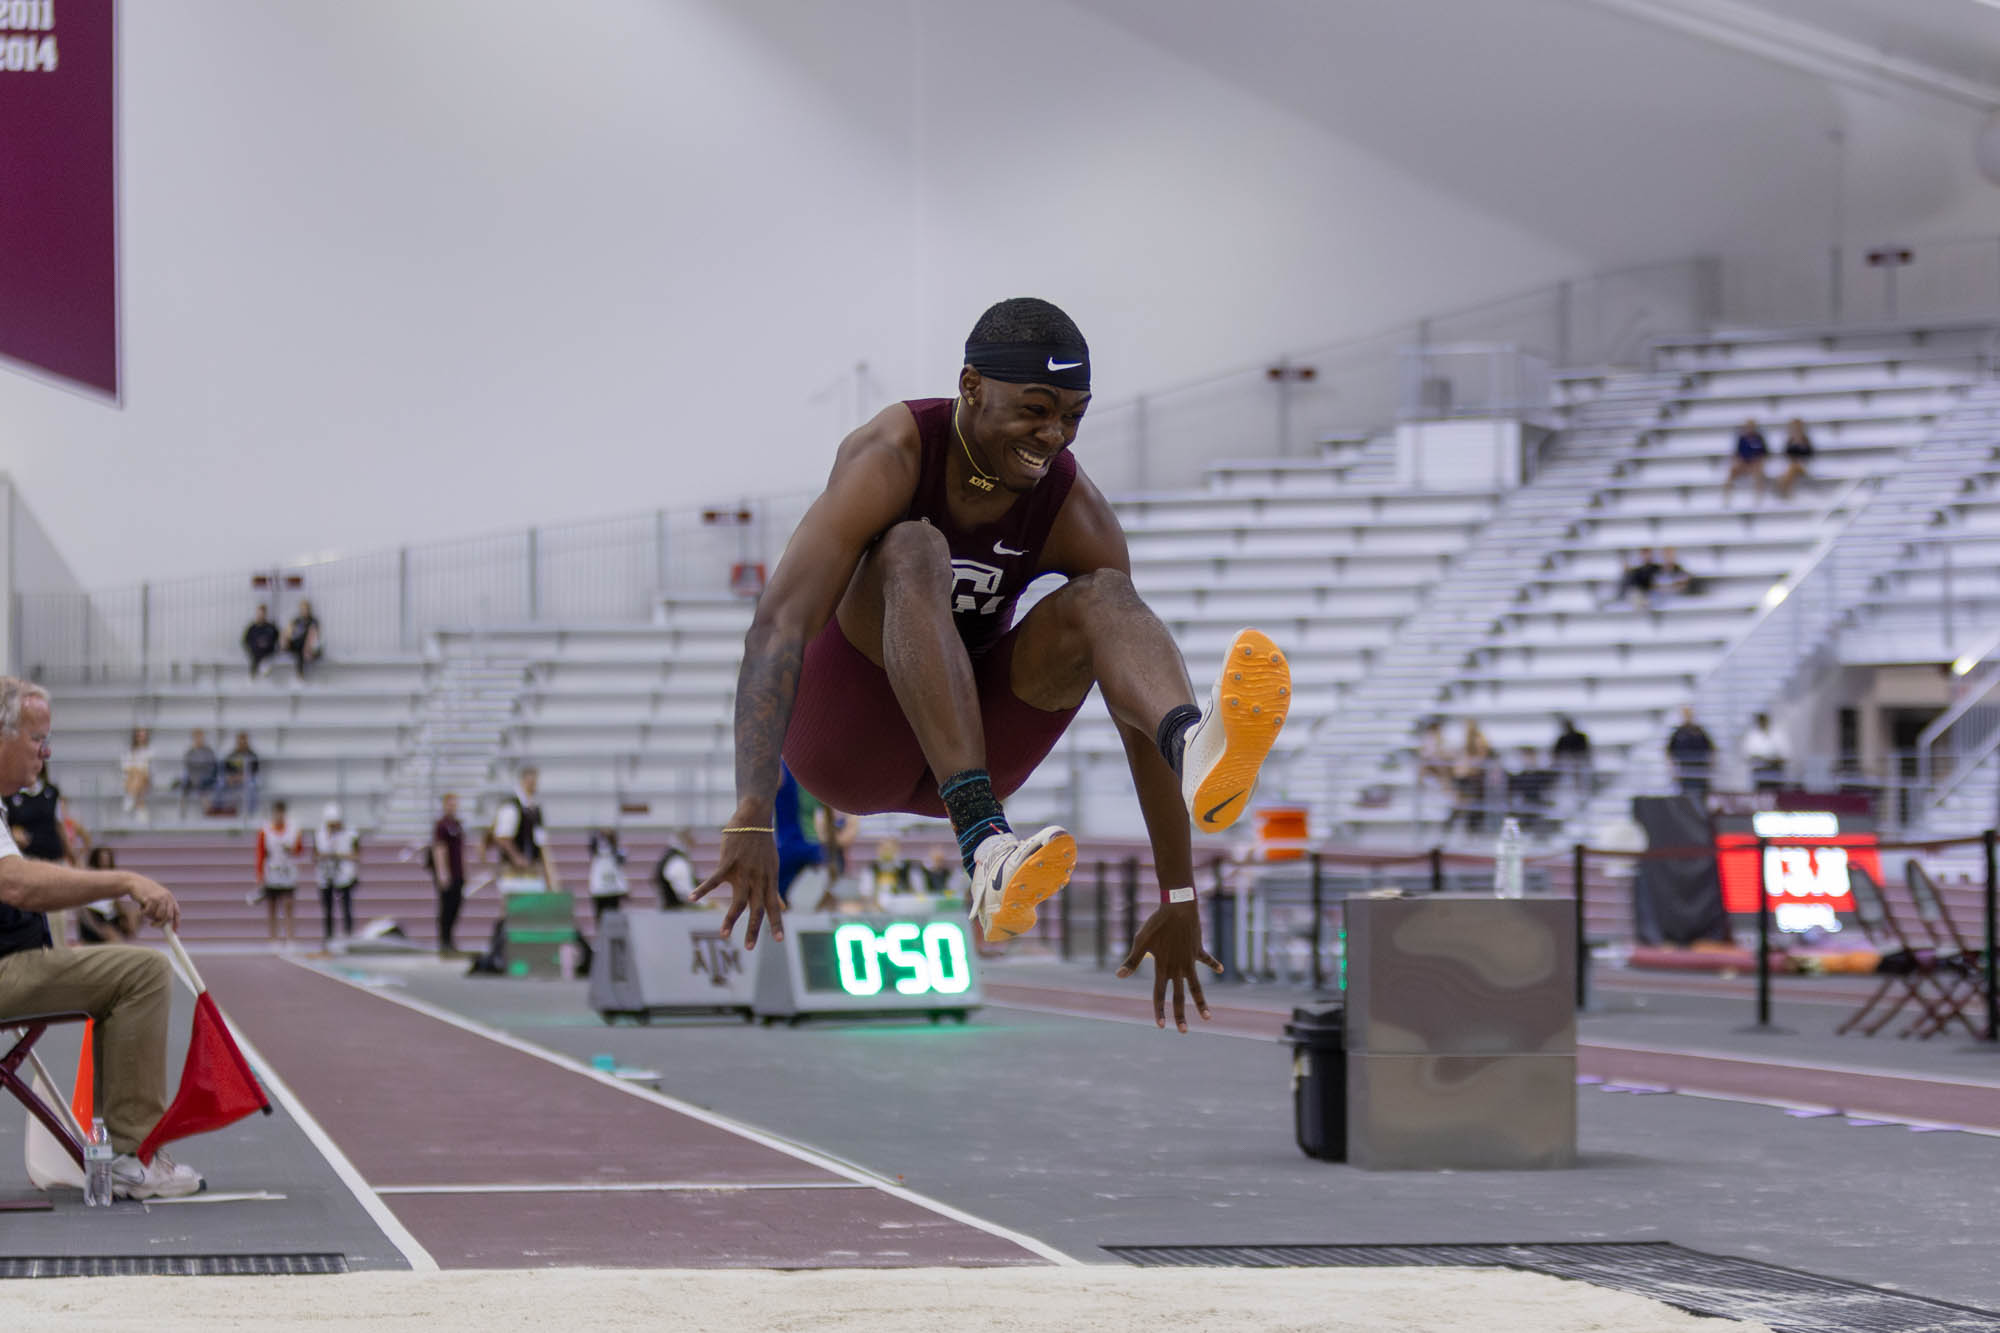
1319 550
1621 670
1945 594
641 716
632 716
336 737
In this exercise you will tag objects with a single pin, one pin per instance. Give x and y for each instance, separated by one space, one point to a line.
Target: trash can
1319 1079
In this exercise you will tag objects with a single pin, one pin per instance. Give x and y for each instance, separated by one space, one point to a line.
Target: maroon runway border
465 1136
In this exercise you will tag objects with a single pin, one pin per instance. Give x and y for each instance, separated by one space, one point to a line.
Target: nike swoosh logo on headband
1063 365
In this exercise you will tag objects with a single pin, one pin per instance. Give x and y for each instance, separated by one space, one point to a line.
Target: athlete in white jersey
279 846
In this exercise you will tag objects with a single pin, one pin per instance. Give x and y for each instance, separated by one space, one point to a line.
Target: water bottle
97 1165
1507 861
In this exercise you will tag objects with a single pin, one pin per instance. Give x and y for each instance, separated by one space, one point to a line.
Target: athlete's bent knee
1102 589
914 544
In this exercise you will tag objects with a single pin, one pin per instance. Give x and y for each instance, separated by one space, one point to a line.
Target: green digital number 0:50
930 958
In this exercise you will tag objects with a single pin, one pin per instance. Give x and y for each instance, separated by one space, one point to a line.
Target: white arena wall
396 271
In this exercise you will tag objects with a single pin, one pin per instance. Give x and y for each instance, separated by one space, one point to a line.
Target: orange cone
83 1101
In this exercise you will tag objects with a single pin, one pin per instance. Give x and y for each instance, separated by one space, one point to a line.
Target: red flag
217 1087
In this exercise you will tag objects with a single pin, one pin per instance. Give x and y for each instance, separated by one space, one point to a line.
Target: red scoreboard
1807 855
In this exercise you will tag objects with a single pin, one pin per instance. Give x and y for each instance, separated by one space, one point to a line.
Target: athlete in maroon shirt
882 665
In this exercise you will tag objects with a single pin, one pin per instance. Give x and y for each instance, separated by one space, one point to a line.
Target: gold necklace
981 478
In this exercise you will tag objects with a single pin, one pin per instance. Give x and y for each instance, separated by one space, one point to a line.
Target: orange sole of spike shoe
1040 877
1256 696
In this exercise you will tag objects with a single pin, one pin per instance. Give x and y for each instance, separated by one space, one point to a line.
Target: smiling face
24 750
1015 431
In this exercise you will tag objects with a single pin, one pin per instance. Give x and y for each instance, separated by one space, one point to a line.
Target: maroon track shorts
851 747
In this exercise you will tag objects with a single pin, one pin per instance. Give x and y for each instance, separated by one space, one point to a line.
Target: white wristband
1180 895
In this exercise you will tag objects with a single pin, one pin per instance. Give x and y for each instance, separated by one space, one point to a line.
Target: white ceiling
1940 48
1616 138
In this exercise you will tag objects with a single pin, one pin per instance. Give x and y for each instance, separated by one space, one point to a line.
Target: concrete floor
1085 1133
261 1154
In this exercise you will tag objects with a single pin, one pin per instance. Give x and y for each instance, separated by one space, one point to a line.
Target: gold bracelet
747 829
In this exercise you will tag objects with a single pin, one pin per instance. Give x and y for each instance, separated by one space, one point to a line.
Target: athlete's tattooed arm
873 477
765 688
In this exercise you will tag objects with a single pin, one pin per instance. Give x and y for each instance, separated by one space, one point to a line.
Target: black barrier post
1319 911
1131 889
1437 870
1103 915
1763 942
1062 926
1582 944
1992 984
1216 924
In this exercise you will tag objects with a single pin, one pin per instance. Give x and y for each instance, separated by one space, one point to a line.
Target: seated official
126 990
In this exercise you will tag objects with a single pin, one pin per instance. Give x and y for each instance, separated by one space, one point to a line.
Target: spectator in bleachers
1692 754
1571 755
337 855
280 844
517 833
1434 760
1530 785
1673 576
673 874
607 873
447 861
238 791
260 640
201 771
302 639
1751 451
887 874
943 873
108 920
1639 576
1798 452
837 835
137 770
1472 771
1764 755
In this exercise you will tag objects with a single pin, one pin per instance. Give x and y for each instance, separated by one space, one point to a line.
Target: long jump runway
493 1157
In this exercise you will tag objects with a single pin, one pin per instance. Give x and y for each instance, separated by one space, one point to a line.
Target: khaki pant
128 991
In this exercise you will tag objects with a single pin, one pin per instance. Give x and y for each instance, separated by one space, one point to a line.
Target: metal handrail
1979 692
1792 583
1781 333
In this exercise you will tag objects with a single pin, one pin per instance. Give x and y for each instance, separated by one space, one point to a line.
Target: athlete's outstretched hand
750 867
1173 936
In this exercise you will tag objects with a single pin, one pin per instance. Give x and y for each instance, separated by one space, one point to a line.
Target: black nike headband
1064 365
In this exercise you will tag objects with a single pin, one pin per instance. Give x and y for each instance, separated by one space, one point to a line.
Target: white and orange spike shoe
1012 875
1239 724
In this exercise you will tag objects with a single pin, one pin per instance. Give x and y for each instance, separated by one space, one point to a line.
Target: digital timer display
895 958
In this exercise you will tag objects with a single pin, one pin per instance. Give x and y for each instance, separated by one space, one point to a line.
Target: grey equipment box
1461 1032
650 962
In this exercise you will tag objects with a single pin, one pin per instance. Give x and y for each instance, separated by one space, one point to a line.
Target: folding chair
1903 964
28 1030
1960 967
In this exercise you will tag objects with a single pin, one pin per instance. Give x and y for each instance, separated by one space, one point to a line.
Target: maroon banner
58 181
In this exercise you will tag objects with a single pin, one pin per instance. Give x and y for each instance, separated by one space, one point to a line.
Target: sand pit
1073 1300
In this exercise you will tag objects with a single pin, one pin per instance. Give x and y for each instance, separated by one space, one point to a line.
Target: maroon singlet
991 564
849 742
